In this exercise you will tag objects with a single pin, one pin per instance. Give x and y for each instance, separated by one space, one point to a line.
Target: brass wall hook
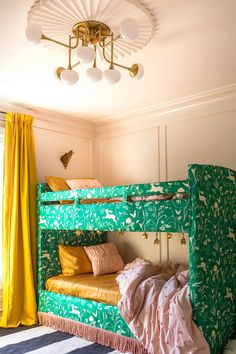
156 240
183 240
169 235
145 236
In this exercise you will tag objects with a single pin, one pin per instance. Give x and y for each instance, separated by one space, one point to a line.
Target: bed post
213 252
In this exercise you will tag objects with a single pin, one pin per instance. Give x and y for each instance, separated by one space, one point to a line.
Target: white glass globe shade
86 54
112 76
94 74
129 29
140 72
69 77
34 32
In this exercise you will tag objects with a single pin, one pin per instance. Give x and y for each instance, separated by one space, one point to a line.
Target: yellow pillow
57 183
74 260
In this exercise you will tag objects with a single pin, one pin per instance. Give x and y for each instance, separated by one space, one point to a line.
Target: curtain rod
3 112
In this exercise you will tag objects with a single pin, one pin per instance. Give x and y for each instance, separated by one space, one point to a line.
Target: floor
41 340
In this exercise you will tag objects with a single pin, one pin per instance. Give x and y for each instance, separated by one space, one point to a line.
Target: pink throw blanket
158 311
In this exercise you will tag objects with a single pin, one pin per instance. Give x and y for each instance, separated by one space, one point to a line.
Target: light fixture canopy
95 35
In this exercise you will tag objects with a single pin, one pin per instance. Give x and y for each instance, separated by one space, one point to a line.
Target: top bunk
149 207
144 207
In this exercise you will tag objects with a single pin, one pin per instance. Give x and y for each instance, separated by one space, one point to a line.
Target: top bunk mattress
101 288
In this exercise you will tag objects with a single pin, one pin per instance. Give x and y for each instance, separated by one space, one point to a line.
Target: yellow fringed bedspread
101 288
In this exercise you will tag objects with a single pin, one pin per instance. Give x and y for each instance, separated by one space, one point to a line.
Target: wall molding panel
199 129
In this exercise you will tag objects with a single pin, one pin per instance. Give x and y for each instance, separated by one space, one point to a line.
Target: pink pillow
105 258
82 183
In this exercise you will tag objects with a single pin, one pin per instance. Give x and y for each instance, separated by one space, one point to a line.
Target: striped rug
45 340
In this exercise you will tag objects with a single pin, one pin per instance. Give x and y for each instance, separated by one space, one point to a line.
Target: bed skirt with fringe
93 334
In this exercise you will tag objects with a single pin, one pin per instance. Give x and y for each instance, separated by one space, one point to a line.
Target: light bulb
112 76
94 74
86 54
140 72
69 77
136 71
129 29
34 32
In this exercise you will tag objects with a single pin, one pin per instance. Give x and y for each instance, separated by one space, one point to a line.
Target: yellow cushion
57 183
74 260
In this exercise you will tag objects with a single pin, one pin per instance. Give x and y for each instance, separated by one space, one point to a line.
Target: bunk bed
204 206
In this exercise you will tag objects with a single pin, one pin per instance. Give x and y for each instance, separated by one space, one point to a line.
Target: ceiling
193 50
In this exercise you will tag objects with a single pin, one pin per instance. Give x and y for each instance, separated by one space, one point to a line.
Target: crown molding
51 120
203 103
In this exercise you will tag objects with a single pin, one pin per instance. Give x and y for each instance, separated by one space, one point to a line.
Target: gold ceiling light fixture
90 30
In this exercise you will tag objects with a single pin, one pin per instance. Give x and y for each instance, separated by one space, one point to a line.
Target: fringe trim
93 334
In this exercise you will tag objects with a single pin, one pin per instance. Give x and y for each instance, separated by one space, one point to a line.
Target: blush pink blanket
158 311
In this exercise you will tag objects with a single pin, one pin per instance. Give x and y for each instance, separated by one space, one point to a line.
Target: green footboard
213 252
89 312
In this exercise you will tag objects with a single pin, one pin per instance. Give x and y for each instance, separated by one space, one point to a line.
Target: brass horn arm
110 62
108 43
60 43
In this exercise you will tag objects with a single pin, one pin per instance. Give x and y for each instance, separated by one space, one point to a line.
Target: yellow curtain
19 223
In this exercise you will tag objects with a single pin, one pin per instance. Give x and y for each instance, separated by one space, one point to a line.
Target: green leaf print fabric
213 252
150 216
90 312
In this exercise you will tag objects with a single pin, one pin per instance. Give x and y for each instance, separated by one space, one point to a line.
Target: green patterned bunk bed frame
207 213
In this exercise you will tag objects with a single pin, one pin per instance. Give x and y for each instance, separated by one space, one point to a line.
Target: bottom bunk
93 320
